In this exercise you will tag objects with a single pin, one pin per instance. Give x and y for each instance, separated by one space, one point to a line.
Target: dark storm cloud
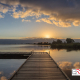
61 12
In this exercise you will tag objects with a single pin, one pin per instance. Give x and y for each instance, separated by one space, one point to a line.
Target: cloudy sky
39 18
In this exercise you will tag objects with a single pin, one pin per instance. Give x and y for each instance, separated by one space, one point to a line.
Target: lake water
66 59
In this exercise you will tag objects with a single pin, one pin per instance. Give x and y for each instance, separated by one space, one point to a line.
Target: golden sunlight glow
47 36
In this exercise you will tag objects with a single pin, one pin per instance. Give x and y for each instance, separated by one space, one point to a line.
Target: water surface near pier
66 59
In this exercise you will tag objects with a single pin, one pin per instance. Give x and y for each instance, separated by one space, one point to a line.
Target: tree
59 41
69 40
54 42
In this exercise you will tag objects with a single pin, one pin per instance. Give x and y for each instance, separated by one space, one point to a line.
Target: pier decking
39 66
14 55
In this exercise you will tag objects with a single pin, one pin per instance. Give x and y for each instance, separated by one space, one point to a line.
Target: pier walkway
14 55
39 66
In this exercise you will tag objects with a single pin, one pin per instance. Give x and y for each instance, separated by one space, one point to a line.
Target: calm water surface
65 59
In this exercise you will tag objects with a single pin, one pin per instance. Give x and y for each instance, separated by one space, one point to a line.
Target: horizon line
27 38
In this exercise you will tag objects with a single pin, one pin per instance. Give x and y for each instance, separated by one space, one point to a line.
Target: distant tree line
58 41
70 43
68 40
43 43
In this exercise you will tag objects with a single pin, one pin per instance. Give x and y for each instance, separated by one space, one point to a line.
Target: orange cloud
26 20
1 72
44 20
38 21
77 65
24 14
64 24
61 13
65 65
76 23
3 9
1 16
69 65
57 23
3 78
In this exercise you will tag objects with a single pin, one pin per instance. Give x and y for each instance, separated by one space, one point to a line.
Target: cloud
38 21
65 65
3 78
64 24
1 72
64 13
26 20
77 65
76 23
3 9
57 23
24 14
69 65
16 15
1 16
12 73
44 20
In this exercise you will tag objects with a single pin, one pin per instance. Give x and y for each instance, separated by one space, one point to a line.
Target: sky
20 19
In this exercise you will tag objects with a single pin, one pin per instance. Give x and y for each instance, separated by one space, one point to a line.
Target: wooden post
49 52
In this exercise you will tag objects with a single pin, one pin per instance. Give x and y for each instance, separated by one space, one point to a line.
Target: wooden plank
36 79
40 58
41 69
40 66
41 61
39 77
38 71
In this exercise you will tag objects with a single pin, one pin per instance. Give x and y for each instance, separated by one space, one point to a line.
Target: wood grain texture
39 66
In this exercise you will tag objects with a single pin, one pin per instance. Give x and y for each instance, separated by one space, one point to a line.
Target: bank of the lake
66 45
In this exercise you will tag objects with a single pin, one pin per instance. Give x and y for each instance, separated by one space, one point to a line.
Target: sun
47 36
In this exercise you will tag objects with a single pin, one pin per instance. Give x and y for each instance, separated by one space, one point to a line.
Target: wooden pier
39 66
14 55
